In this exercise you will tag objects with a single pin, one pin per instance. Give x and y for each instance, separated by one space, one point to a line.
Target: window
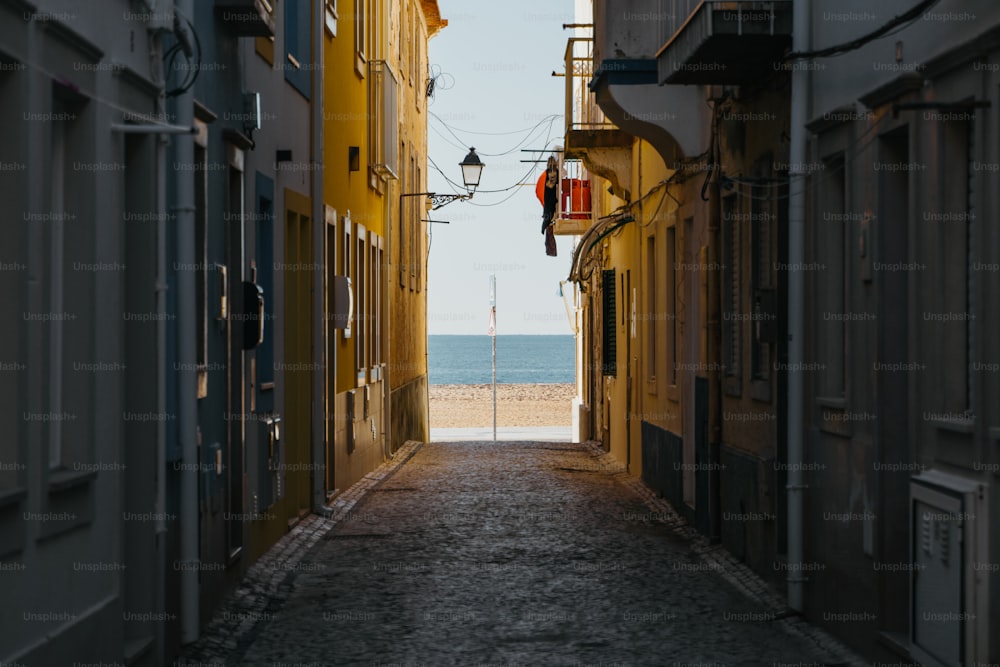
360 306
379 258
831 236
331 17
12 339
297 46
418 224
347 268
69 342
414 44
360 36
201 250
671 293
761 284
411 225
383 121
402 38
414 222
732 321
265 45
609 350
265 278
957 265
651 310
404 207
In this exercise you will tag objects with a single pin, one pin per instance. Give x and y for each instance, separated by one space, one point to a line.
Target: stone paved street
514 554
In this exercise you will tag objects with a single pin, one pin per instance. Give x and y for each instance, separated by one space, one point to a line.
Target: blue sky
495 62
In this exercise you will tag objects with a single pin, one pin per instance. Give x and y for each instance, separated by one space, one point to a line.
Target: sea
520 359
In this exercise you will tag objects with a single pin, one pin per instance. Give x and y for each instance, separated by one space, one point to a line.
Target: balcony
712 42
604 148
247 18
574 213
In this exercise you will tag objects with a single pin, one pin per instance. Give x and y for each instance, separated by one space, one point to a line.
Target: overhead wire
495 134
888 28
530 133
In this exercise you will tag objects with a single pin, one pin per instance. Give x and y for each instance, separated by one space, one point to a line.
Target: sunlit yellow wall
346 118
657 396
412 23
395 35
625 251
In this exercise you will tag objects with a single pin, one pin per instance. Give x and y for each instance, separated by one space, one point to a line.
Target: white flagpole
493 321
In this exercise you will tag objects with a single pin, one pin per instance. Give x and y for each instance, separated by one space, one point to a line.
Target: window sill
963 426
70 501
64 480
832 418
13 496
760 390
838 403
11 521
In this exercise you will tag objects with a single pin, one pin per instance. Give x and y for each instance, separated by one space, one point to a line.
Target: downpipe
796 306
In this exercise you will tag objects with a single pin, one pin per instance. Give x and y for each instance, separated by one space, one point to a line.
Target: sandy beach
471 405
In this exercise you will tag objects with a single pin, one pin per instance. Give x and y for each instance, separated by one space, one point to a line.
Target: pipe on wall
321 401
796 305
187 380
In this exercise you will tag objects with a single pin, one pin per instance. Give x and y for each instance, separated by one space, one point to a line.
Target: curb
737 573
268 582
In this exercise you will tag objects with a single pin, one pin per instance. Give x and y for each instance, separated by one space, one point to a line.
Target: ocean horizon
521 359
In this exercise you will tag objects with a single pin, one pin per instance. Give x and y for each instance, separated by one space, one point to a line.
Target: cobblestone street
510 554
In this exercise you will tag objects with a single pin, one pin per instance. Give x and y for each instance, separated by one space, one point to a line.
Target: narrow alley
511 553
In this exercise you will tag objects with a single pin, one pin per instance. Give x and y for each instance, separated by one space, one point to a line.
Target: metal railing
582 111
675 14
574 192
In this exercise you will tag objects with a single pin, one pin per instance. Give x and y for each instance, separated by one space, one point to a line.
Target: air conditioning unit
949 541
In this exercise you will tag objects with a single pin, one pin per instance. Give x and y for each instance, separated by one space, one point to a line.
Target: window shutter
610 339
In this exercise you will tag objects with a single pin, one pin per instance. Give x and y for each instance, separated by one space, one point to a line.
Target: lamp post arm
437 200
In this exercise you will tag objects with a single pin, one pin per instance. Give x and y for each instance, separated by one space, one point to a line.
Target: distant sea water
520 359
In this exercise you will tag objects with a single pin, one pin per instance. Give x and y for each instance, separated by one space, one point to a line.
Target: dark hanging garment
551 195
550 242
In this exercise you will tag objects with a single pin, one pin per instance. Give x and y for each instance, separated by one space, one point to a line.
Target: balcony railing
582 111
721 41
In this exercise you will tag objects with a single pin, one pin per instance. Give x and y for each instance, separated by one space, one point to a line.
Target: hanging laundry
547 191
550 242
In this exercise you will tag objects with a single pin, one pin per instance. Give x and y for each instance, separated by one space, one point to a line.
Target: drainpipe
714 320
161 338
320 319
187 381
385 315
796 305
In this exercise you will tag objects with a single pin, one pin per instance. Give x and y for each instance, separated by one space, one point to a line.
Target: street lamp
472 170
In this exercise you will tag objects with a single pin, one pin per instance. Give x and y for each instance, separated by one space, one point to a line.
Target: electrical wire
853 152
897 22
495 134
193 69
531 131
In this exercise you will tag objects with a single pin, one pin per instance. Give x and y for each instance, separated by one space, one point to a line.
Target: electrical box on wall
948 593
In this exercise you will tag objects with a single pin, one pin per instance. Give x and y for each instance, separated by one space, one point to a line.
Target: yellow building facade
375 150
